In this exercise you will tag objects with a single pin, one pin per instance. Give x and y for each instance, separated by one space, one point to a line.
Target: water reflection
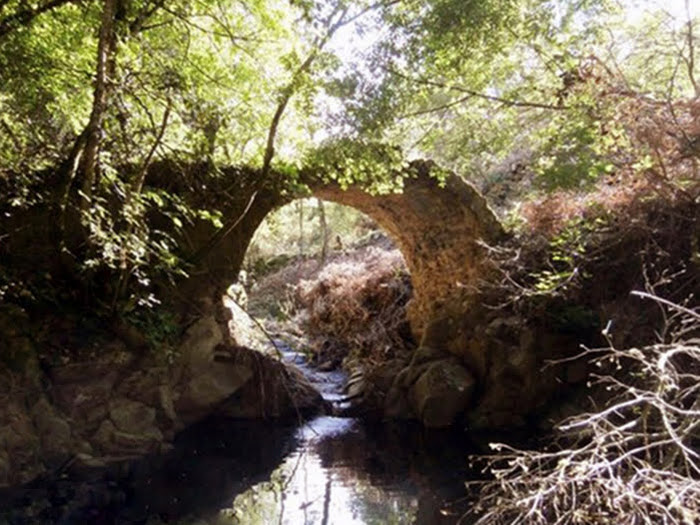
225 472
344 471
228 472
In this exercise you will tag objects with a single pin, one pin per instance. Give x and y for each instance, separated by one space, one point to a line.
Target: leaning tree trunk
83 154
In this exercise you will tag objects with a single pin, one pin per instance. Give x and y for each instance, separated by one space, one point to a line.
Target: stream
328 470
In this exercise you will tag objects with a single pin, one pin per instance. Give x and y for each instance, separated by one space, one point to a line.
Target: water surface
329 470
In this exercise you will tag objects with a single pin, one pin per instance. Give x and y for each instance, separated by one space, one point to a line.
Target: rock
86 461
442 393
242 329
21 442
136 444
326 366
197 349
421 360
54 432
112 441
396 405
82 391
273 391
143 384
131 416
425 354
214 384
165 397
5 470
103 438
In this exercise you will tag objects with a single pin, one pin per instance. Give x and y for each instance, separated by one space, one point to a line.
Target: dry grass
357 304
354 304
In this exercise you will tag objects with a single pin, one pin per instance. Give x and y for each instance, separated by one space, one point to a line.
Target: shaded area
226 471
210 463
361 472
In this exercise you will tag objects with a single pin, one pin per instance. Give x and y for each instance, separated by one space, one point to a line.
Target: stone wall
118 405
439 228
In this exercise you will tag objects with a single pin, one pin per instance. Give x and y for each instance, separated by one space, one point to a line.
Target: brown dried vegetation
356 306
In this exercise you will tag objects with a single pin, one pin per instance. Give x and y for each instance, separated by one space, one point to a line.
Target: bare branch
633 461
476 94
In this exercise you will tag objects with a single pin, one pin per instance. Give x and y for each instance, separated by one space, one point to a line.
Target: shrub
635 460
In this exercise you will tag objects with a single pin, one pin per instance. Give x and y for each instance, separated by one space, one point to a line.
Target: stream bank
328 469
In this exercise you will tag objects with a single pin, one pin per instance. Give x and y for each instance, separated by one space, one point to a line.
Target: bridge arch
437 224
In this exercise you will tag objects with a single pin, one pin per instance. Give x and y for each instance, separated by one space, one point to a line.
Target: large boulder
213 385
276 391
442 393
54 432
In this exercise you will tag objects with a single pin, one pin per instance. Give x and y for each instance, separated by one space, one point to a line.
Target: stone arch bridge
468 363
438 226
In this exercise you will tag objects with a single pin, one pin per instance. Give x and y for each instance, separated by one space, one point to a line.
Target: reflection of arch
436 226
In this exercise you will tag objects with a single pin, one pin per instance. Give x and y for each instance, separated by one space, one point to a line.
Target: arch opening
328 279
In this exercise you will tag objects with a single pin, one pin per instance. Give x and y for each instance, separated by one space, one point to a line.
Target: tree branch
25 16
471 93
690 60
286 95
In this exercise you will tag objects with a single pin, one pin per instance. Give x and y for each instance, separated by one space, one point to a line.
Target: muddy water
329 470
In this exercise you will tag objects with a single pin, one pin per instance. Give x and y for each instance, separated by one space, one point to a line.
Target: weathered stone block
442 393
131 416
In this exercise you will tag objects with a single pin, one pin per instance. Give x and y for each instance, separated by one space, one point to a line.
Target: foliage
159 328
297 230
92 97
375 166
577 147
567 249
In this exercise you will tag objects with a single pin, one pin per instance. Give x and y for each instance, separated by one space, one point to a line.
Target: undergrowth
632 460
358 305
354 305
631 455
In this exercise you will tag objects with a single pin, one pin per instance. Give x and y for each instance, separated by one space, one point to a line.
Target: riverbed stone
132 416
166 403
54 432
142 385
396 404
213 385
5 470
442 393
83 394
114 442
276 391
201 339
136 444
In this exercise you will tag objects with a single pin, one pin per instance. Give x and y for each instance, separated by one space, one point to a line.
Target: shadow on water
330 471
210 462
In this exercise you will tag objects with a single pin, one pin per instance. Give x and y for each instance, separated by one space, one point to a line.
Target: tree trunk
106 48
325 233
300 209
286 95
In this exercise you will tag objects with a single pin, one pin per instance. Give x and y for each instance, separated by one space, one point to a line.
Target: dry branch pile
635 460
357 304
